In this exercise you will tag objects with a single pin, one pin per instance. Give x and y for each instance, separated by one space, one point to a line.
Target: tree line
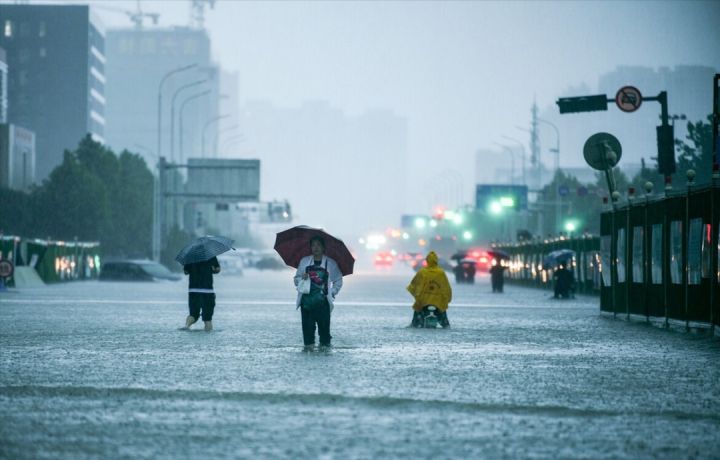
93 195
693 152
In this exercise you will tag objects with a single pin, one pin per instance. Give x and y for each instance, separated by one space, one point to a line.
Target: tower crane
137 17
197 12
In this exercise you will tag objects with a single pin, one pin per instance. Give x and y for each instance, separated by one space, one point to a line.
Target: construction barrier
657 257
665 253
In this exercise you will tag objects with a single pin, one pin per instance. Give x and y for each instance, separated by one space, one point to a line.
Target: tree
174 242
131 208
16 215
93 195
72 203
695 153
581 204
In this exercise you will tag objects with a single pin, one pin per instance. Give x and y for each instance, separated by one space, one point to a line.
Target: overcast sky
462 73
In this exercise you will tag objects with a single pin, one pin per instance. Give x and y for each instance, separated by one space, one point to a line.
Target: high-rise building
325 160
17 157
56 78
3 86
138 60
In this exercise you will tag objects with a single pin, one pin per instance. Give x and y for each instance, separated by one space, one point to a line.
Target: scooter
430 317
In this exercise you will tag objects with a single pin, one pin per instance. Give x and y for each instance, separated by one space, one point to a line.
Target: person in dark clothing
564 281
201 297
497 276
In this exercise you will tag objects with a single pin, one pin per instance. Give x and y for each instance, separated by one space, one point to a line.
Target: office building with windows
138 60
17 157
56 76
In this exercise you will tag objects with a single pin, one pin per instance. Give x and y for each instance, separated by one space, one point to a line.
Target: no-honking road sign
628 99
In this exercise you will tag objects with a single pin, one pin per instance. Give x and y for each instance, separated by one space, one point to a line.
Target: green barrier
57 261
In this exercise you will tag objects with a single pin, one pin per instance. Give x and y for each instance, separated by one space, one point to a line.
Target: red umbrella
293 244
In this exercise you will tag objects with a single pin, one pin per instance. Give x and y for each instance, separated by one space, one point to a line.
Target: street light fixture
204 131
158 203
556 150
232 140
219 133
522 158
172 113
159 111
182 125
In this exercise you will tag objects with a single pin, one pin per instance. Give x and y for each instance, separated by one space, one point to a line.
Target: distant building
315 153
56 78
17 157
3 87
138 59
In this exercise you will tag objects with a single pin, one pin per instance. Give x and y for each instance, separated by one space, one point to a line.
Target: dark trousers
319 316
198 301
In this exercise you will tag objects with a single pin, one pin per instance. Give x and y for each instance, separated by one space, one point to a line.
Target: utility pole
535 140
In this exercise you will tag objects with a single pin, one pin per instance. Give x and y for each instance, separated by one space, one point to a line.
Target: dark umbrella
458 256
498 254
558 257
293 244
204 248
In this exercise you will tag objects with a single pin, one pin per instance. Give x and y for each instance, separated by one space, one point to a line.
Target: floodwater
100 370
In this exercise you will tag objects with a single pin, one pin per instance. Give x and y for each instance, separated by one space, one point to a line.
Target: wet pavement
100 370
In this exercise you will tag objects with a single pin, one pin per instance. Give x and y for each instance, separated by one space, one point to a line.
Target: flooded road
100 370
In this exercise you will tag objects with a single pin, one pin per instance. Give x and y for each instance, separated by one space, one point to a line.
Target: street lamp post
219 133
556 150
204 131
172 113
157 232
182 125
172 142
159 108
232 140
522 158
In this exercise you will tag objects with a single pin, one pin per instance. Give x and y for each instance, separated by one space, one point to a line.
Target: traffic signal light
666 149
582 104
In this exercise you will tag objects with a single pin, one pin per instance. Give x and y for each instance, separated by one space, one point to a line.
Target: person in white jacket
325 283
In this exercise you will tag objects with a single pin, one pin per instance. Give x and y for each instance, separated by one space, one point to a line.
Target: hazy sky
462 73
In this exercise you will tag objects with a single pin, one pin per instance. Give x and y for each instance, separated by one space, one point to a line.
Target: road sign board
628 99
602 151
6 269
563 190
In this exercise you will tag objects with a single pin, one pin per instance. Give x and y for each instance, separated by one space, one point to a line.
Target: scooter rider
430 286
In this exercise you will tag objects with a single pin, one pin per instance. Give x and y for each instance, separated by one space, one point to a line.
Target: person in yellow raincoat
430 286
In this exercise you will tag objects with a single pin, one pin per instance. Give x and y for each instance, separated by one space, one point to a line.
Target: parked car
136 270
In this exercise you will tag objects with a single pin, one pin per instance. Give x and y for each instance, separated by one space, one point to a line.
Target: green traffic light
495 207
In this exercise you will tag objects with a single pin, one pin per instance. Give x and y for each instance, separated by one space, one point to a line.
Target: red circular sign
628 99
6 269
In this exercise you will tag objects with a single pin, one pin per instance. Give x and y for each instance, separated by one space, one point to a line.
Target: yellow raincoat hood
430 286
